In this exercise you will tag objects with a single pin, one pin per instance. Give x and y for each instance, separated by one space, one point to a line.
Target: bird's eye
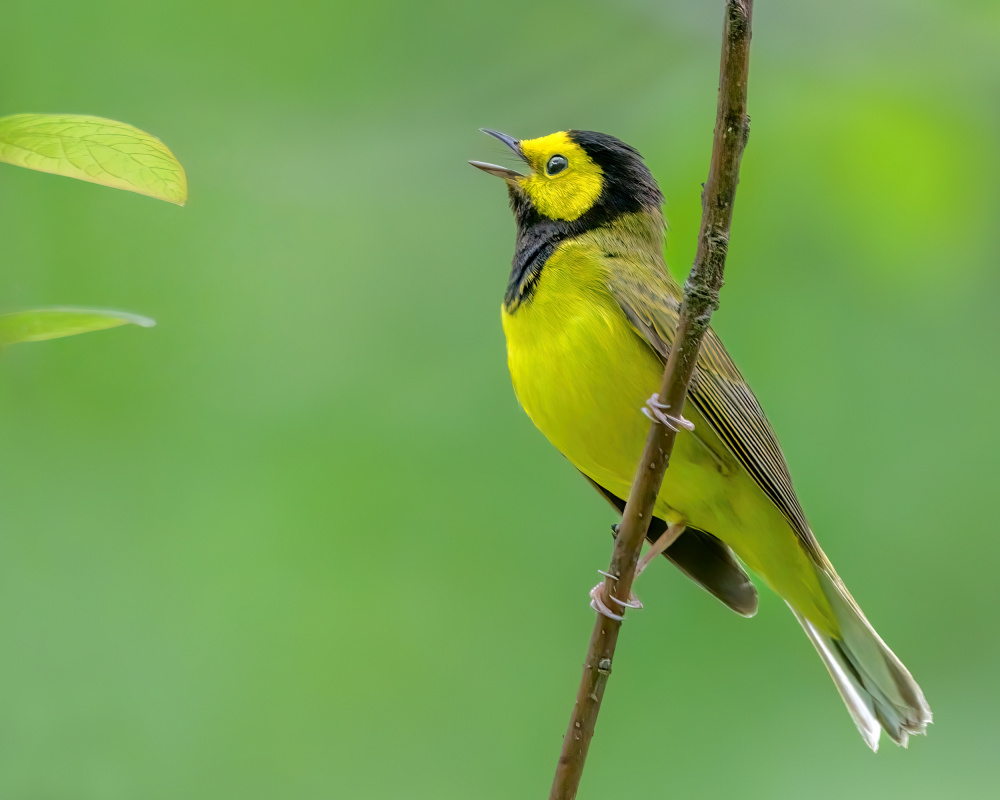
556 164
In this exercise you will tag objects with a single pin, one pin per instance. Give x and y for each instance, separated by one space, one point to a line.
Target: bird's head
576 175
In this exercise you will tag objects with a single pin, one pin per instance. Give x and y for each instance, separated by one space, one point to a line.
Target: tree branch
701 298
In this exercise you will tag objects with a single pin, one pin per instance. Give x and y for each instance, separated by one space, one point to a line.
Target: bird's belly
583 376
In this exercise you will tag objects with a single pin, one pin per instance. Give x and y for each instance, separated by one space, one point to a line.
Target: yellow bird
589 315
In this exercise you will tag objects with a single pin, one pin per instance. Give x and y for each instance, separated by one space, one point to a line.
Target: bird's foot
597 601
654 410
667 538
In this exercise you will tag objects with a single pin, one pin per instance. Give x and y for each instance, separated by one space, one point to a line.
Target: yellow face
564 182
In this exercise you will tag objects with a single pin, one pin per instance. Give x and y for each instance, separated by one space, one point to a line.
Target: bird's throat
535 244
538 238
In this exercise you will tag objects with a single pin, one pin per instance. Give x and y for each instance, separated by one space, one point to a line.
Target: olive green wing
718 391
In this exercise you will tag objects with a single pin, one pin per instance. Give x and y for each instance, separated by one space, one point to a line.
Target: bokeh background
300 541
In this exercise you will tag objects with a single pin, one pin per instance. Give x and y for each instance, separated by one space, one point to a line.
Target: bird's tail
878 690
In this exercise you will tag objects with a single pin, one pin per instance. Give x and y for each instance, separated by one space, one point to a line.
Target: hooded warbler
589 315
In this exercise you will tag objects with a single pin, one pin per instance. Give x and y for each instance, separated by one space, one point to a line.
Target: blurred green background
300 541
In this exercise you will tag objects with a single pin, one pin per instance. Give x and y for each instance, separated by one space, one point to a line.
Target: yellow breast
578 368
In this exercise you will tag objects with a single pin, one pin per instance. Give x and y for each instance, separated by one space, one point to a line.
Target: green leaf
39 324
93 149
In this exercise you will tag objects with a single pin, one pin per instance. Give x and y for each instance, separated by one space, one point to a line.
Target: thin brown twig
701 298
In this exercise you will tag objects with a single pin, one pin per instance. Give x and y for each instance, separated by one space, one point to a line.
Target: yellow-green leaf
93 149
38 324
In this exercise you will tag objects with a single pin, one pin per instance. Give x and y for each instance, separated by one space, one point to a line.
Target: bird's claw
633 601
598 605
654 411
597 601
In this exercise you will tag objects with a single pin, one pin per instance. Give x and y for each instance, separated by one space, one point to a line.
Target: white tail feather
859 705
877 689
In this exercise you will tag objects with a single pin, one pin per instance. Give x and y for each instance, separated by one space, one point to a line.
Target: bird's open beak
493 169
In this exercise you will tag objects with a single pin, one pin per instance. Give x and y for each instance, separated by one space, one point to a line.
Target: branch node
701 299
738 21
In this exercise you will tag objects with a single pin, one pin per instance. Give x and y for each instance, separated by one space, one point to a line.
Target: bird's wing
718 391
703 558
